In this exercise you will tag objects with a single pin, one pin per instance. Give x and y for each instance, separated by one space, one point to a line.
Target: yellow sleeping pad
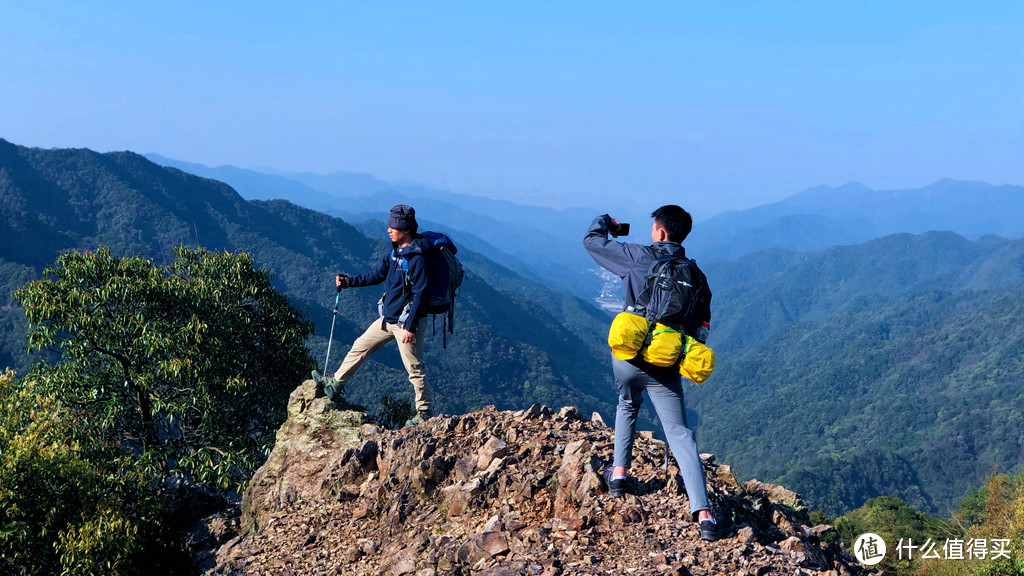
627 335
699 362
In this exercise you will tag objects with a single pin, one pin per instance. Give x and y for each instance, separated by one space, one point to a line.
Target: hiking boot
420 417
617 486
711 531
326 386
320 383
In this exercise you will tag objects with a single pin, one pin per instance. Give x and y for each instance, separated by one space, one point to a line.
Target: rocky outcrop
498 493
317 450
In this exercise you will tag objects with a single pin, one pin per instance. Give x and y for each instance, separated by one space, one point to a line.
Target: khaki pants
411 353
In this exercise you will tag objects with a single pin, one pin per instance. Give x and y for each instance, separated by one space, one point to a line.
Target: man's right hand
343 281
614 226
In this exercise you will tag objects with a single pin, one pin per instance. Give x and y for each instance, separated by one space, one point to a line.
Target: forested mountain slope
506 351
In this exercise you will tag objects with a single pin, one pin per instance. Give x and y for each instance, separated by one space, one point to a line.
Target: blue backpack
444 277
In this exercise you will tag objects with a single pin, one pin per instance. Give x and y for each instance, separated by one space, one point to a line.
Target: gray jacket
631 262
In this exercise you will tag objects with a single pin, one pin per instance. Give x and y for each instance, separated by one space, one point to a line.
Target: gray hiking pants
666 390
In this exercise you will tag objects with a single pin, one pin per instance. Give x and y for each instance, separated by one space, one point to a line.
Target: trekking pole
331 337
665 444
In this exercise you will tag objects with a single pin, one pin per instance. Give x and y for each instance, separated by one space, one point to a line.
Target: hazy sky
714 105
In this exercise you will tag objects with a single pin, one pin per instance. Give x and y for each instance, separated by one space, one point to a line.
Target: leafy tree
394 413
993 512
185 366
68 503
893 520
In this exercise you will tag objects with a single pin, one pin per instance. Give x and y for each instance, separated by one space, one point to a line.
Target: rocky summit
498 493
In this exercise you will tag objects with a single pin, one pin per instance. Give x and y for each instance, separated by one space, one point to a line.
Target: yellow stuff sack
665 348
699 362
627 335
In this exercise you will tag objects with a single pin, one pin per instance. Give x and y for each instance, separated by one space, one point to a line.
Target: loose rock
489 493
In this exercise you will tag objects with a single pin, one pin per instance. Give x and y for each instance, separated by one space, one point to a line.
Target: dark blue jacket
403 289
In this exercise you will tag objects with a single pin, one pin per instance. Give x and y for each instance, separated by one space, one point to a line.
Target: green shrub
186 366
68 504
184 369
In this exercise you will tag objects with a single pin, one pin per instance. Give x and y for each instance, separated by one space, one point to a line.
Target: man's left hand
407 337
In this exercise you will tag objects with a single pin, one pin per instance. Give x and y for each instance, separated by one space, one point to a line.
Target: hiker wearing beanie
404 275
638 266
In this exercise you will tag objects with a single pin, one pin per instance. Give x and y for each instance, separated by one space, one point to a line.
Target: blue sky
713 105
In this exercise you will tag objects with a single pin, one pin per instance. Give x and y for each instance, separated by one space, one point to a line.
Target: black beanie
403 218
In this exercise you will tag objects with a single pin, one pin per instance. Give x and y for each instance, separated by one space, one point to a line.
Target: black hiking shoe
711 531
616 487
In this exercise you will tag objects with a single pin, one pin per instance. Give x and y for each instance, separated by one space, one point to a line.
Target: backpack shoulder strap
659 264
403 265
402 262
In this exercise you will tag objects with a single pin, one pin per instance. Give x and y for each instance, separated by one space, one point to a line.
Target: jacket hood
418 245
667 247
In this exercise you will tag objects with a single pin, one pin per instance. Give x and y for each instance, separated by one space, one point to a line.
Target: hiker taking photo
658 337
405 274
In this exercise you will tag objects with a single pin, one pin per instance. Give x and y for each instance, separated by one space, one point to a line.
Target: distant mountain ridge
56 200
545 241
789 288
804 339
256 186
825 216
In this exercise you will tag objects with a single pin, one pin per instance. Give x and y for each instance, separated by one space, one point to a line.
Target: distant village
610 298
